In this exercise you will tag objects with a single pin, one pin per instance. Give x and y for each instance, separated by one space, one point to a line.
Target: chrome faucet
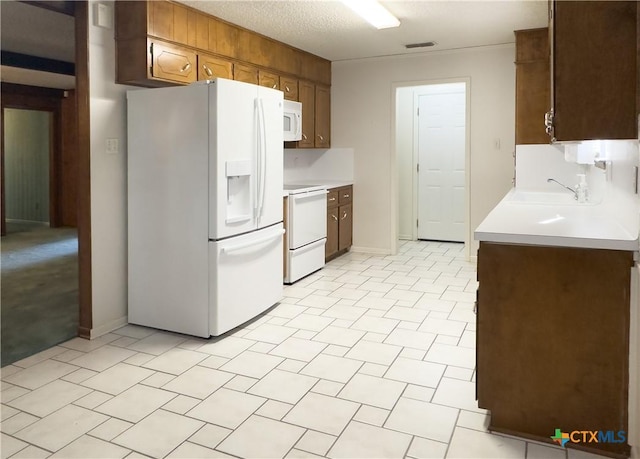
575 195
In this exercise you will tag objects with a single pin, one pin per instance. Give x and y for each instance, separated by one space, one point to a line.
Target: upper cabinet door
210 67
594 70
246 73
172 63
533 81
307 96
289 86
323 117
268 79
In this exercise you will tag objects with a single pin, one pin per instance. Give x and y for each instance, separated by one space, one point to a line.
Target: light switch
102 15
113 147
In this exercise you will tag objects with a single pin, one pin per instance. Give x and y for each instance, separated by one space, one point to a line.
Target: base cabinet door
331 248
339 221
345 230
553 331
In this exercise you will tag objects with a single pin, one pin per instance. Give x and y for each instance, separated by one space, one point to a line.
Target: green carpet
39 299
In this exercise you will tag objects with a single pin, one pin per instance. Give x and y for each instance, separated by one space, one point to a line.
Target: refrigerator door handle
256 205
263 159
237 247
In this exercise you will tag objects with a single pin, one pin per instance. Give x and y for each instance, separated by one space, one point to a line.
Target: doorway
431 139
27 150
440 149
40 246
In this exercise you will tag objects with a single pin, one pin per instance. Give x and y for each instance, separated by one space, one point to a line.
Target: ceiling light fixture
373 12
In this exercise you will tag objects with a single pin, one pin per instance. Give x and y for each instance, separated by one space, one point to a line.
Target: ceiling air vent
426 44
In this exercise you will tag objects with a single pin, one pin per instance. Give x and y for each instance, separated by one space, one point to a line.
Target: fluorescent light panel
373 12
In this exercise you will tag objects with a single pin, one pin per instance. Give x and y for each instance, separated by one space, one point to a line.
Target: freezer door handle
254 242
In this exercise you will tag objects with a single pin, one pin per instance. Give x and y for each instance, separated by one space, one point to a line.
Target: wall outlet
113 147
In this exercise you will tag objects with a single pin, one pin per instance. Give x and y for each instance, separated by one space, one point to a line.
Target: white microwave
292 121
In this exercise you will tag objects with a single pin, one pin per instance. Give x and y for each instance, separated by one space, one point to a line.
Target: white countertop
328 184
556 219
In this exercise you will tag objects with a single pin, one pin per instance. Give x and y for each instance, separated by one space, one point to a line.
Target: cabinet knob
275 86
332 199
334 217
186 67
346 195
286 88
207 70
321 138
304 136
344 215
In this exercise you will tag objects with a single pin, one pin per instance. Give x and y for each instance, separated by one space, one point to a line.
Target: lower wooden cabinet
553 341
339 221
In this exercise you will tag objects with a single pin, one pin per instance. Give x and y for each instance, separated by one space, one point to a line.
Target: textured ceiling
331 30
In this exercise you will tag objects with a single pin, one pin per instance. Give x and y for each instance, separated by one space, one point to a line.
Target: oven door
307 218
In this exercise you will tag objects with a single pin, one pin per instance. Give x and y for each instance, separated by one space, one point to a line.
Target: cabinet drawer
345 195
332 198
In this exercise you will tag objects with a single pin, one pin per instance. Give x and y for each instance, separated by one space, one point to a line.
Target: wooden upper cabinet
172 63
533 85
161 19
210 67
202 32
268 79
322 117
595 69
163 43
289 86
307 96
246 73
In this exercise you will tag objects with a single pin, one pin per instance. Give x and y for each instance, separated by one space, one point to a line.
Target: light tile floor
371 357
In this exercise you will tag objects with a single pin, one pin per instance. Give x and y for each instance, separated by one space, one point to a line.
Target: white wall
362 97
404 155
108 183
308 165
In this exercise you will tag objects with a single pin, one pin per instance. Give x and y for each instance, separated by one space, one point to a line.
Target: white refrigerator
205 166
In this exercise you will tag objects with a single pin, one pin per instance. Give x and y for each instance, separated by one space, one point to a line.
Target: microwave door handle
298 125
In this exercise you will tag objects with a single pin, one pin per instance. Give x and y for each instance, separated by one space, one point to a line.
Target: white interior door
441 162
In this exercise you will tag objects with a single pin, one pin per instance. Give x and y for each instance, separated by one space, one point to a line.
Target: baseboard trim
109 327
372 250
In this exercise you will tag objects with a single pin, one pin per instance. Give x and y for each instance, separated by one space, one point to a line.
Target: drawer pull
275 86
287 88
321 138
345 195
332 199
185 67
334 217
304 136
344 215
207 70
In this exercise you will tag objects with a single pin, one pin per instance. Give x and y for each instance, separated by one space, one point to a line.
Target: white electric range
306 230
